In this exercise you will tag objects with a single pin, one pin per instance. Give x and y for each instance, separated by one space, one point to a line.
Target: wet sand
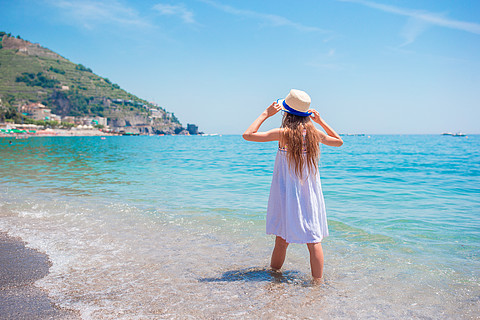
20 267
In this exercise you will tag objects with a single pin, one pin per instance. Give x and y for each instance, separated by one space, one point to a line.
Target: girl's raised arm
332 139
252 134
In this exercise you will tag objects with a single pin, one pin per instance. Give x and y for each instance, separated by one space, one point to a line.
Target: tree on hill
81 67
37 80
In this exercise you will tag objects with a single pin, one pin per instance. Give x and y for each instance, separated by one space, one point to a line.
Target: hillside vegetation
30 73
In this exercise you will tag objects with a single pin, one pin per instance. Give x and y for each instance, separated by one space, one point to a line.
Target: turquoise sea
160 227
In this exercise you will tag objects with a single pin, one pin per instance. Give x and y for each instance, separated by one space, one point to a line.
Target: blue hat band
295 112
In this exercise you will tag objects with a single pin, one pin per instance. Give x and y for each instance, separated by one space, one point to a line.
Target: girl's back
296 208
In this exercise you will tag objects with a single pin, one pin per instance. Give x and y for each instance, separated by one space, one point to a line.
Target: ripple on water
160 227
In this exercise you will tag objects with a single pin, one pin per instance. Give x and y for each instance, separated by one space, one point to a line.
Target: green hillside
30 73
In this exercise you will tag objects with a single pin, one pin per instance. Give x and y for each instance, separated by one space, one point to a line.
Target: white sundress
296 208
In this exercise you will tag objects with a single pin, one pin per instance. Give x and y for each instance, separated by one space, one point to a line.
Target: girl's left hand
273 109
315 116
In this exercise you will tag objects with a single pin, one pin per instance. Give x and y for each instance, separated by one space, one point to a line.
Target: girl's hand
252 134
331 138
315 116
273 109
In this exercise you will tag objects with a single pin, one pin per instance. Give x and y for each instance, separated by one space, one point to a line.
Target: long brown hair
292 137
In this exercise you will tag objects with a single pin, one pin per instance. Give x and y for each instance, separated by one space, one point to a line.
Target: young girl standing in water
296 210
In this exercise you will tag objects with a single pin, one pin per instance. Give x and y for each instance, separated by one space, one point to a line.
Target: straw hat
297 102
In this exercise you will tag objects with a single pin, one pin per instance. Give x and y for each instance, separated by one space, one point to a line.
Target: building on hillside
69 119
54 117
29 109
156 113
91 121
38 111
42 114
101 121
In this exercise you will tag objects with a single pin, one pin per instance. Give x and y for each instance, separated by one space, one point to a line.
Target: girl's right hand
273 109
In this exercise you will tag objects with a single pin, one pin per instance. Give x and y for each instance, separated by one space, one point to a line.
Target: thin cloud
89 13
271 19
412 30
175 10
326 60
423 16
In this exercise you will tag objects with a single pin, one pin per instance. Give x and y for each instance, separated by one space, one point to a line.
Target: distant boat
458 134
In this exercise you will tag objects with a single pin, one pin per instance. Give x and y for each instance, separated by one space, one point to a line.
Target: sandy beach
77 132
20 267
74 132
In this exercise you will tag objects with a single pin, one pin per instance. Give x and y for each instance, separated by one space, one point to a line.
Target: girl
296 210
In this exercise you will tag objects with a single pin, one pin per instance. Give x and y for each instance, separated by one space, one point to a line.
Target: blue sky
369 66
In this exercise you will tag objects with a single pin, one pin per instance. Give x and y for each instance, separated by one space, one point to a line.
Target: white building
156 113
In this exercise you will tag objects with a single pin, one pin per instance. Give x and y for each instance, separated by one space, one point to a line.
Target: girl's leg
279 253
316 260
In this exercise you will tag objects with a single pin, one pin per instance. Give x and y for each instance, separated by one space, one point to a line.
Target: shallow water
173 227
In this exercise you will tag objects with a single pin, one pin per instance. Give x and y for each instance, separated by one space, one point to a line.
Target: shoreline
59 133
20 268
